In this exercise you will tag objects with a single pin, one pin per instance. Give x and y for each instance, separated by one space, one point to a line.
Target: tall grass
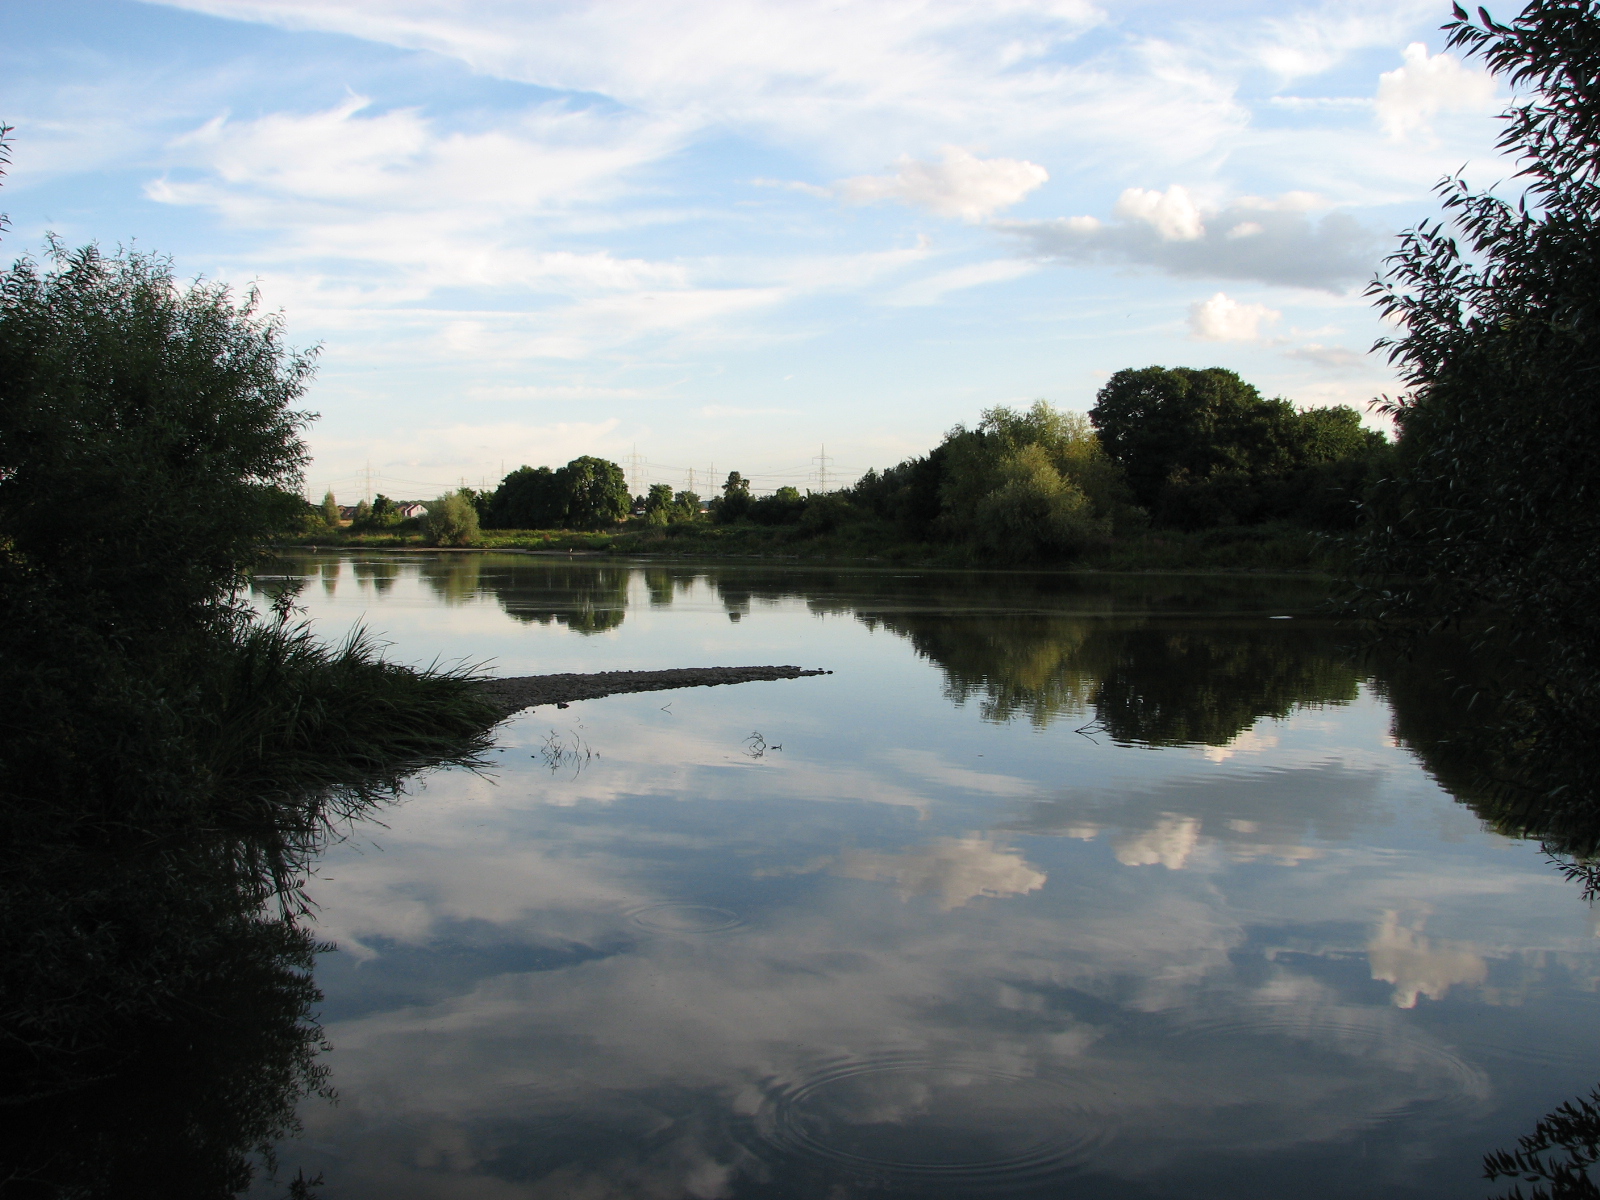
157 818
298 738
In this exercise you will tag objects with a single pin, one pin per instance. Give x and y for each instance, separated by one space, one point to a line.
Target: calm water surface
1056 888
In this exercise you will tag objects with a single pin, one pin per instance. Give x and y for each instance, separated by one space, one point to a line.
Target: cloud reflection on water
1205 928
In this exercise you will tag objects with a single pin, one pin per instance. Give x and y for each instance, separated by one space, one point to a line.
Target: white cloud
955 870
963 185
1416 965
1221 319
1168 843
1265 240
1312 40
810 67
1338 358
399 158
794 185
935 287
1410 95
1248 742
1172 214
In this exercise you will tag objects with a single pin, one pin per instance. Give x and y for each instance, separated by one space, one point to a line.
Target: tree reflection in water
1125 656
158 817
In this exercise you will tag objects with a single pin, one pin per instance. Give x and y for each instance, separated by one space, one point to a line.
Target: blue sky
722 234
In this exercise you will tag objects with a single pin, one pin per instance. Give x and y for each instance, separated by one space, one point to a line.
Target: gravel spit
529 691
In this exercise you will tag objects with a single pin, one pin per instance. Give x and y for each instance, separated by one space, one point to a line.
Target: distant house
405 508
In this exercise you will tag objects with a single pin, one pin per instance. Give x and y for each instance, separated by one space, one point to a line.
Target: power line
636 471
822 460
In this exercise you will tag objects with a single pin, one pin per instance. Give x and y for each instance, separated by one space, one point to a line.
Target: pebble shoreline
529 691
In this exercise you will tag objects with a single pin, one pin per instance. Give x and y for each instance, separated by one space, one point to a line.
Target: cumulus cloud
955 870
1168 843
1411 95
1416 965
1172 214
1271 241
1221 319
962 185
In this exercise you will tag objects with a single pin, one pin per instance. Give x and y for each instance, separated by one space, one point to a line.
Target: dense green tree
528 498
1026 485
148 439
1493 507
1201 448
451 520
685 507
658 504
1168 427
786 506
734 503
330 511
907 495
1034 511
595 491
383 513
1494 498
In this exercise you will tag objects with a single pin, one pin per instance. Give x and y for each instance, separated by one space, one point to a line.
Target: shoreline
795 560
516 693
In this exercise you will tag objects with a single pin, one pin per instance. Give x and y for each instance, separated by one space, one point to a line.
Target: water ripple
906 1119
673 916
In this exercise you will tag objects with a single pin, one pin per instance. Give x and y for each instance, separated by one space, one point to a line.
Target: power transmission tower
822 460
636 472
691 479
369 481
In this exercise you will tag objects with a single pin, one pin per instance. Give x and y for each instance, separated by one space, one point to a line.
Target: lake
1059 886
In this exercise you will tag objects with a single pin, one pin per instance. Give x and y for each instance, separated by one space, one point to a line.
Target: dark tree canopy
735 501
528 498
1157 422
148 443
587 493
1203 447
1493 502
595 491
1491 517
658 504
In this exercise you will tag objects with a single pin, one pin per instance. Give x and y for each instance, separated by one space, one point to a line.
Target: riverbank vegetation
1490 516
172 762
1173 469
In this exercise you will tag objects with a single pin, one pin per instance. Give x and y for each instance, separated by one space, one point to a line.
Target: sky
794 238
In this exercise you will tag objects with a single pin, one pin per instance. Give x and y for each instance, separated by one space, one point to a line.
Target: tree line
1173 448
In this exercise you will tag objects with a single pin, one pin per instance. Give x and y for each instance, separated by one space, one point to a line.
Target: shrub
451 520
1034 512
